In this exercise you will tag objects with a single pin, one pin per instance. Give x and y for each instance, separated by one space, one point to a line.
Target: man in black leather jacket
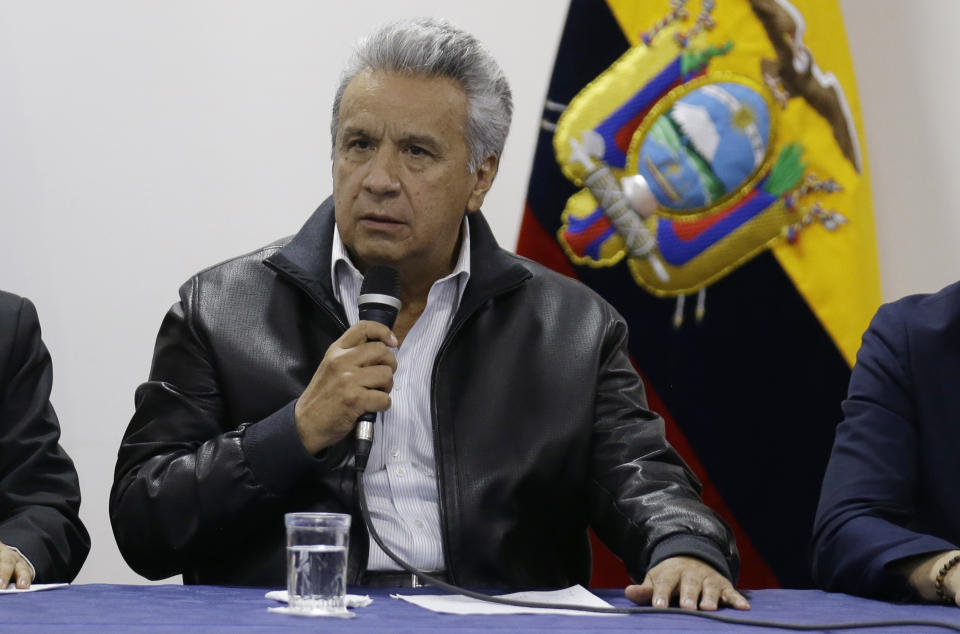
41 536
539 423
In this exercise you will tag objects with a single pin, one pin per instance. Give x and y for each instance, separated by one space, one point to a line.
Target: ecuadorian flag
701 165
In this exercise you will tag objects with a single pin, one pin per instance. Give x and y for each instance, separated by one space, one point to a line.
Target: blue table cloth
172 608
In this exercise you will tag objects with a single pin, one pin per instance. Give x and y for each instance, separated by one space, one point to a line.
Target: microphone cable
440 583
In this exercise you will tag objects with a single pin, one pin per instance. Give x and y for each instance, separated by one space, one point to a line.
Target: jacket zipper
438 455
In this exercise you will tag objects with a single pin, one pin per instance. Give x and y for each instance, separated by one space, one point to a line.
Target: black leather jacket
540 428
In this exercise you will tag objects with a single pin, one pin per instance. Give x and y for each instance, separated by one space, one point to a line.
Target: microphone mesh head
381 280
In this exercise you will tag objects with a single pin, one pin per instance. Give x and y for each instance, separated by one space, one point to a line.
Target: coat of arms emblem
698 149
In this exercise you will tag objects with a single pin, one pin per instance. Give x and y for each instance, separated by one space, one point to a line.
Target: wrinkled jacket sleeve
869 489
646 501
39 490
184 472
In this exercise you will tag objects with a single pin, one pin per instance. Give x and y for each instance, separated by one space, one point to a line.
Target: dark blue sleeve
869 490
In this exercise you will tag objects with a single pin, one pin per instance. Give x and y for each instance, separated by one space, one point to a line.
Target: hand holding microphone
356 373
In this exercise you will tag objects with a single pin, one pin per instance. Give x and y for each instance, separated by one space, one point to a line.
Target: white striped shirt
401 478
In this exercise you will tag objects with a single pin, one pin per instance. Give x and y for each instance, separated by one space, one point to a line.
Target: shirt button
394 452
418 523
401 472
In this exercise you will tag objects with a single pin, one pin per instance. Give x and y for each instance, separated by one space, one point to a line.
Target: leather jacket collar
305 259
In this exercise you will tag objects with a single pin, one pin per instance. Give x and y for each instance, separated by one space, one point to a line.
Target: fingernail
659 602
393 340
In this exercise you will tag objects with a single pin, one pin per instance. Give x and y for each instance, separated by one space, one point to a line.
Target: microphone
379 301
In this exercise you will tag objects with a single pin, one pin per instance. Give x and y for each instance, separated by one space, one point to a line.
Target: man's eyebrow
355 131
422 139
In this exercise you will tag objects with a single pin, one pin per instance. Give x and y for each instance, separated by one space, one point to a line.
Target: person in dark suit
41 536
888 522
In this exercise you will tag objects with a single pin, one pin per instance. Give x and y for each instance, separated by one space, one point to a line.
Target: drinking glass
317 546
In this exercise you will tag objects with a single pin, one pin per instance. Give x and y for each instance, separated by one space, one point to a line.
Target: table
104 608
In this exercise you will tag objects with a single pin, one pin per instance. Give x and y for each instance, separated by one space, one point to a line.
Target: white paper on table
459 604
352 600
36 587
343 613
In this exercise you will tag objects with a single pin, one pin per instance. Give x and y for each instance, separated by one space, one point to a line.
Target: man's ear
485 175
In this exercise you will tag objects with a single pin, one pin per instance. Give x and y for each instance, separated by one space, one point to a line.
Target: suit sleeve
646 501
187 474
39 489
868 494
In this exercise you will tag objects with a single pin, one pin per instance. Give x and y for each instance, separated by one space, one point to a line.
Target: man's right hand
355 376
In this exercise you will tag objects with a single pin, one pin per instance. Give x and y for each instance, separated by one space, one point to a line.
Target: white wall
140 142
903 54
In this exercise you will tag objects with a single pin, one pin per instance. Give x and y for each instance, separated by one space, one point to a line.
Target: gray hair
430 47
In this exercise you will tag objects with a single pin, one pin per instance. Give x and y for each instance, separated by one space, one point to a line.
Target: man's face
400 178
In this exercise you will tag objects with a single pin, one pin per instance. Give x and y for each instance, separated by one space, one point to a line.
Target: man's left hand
695 582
